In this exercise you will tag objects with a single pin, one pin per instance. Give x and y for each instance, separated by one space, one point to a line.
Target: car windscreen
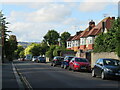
41 58
70 58
112 62
35 56
80 60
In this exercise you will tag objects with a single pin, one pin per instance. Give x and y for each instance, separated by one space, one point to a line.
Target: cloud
70 21
95 5
51 13
30 31
92 6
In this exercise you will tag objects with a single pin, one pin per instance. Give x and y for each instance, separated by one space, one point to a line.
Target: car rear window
80 60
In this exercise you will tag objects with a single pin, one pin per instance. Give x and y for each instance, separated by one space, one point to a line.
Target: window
81 60
90 41
112 62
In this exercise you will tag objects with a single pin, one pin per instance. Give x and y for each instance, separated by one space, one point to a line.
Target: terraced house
84 40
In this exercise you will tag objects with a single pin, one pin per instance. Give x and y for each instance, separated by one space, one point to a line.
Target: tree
44 48
49 53
10 47
51 37
33 49
21 54
110 41
64 37
3 32
18 51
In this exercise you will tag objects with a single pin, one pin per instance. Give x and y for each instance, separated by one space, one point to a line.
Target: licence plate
83 67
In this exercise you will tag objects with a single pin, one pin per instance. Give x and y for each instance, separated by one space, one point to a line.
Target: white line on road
17 78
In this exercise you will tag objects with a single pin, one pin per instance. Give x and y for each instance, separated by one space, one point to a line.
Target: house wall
95 56
90 46
82 47
76 48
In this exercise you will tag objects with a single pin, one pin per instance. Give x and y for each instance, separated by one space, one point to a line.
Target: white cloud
30 31
95 5
71 21
52 13
92 6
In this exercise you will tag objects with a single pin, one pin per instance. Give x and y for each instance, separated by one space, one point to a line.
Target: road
41 75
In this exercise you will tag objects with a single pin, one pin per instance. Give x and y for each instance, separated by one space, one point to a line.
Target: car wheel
69 68
93 73
65 67
62 65
54 64
103 75
51 64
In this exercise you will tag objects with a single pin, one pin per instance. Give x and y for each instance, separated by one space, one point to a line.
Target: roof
74 37
97 29
70 38
78 36
94 31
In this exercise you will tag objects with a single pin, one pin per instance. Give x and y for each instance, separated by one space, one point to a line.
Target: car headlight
109 70
76 64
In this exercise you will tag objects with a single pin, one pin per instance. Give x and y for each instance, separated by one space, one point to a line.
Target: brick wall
95 56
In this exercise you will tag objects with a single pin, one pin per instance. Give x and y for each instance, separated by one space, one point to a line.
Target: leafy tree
21 54
10 47
35 49
64 37
110 41
3 31
49 53
44 48
18 51
51 37
31 49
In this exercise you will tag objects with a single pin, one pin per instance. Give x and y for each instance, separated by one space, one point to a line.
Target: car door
72 63
99 67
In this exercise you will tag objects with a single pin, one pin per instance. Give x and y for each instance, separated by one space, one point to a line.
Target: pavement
10 79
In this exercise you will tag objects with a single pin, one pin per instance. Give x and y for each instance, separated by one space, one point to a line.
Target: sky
31 20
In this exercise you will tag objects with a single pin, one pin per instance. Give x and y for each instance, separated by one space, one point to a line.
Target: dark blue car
106 68
66 61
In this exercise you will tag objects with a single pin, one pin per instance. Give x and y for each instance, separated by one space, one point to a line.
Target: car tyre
65 67
69 68
51 64
93 73
62 65
54 65
103 76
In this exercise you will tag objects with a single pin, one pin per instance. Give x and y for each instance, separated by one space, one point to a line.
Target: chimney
113 18
77 33
91 24
103 26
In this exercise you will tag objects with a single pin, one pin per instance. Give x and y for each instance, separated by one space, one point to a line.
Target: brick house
84 40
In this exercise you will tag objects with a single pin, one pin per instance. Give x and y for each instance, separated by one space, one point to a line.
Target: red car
78 64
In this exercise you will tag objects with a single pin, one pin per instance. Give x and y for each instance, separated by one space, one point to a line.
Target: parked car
34 58
57 60
21 59
106 68
66 61
79 64
41 59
